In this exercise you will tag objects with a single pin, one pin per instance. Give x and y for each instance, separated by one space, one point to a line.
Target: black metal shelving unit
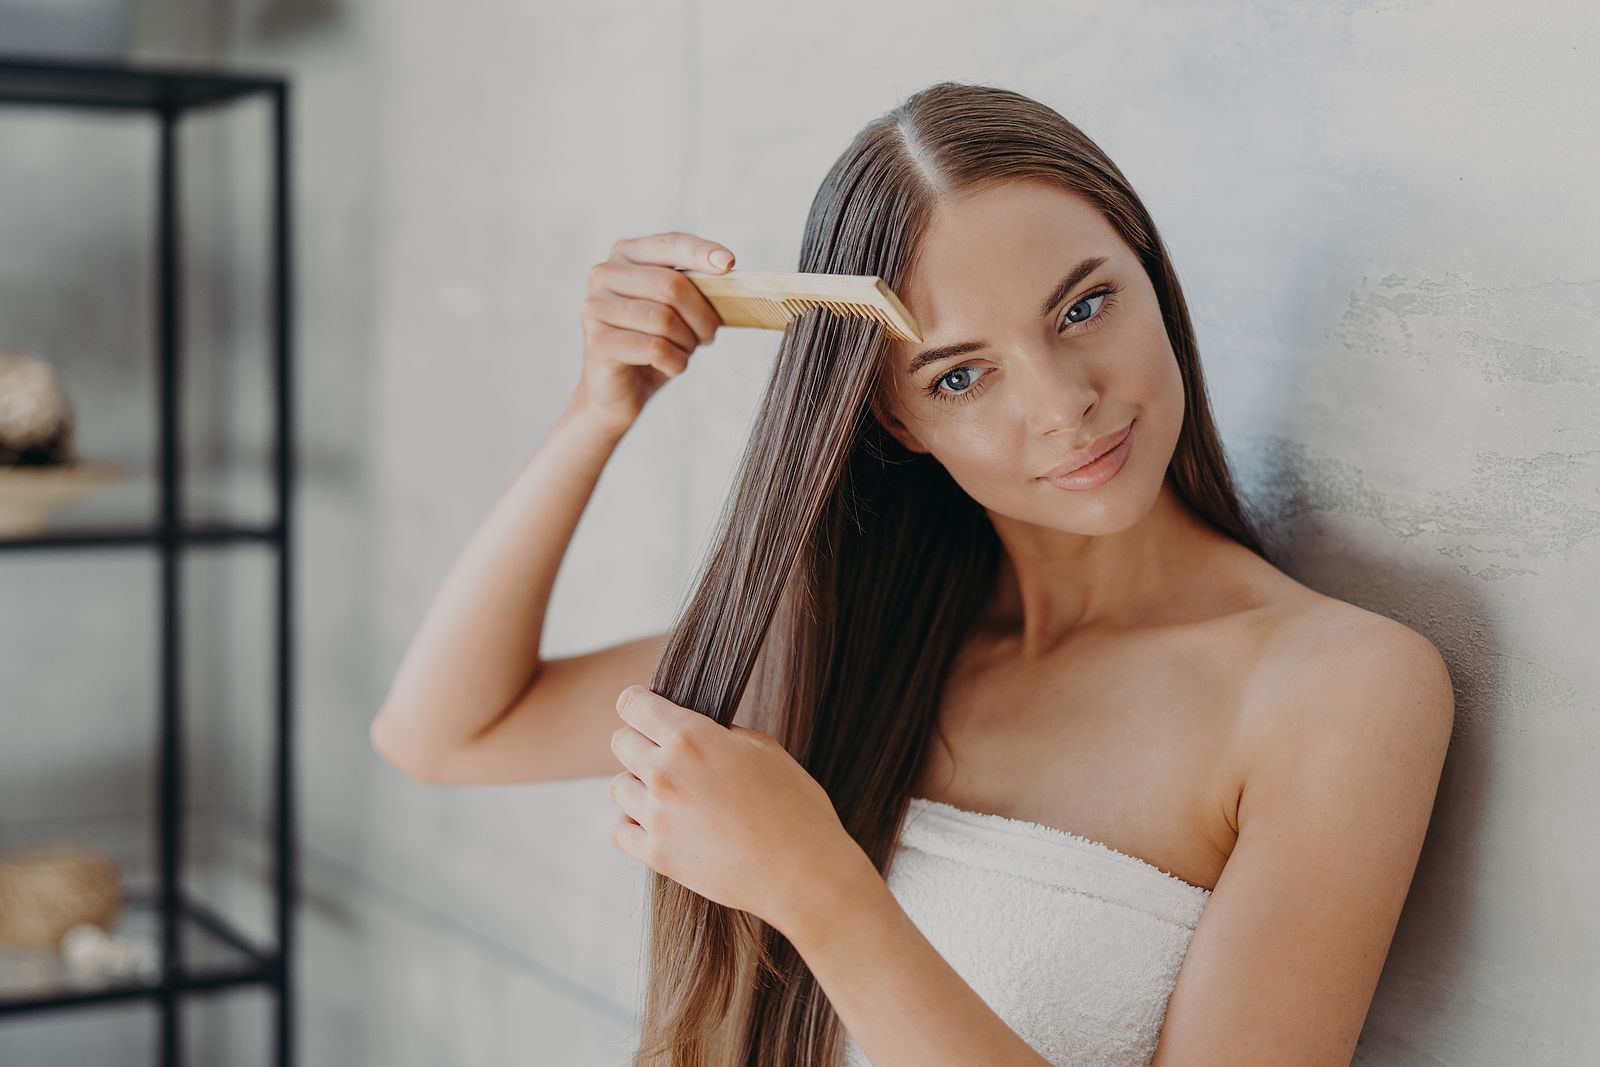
169 93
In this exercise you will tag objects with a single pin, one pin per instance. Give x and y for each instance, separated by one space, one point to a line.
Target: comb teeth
754 310
800 305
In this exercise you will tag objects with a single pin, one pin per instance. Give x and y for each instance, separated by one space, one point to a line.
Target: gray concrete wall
1381 214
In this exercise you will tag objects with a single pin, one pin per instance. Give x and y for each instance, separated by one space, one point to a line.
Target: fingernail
721 259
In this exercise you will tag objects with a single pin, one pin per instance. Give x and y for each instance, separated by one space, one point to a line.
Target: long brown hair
850 569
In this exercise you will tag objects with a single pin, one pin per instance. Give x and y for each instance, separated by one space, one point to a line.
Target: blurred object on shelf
39 467
36 419
45 890
89 951
66 28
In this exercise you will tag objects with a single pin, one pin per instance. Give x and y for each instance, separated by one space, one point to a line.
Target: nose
1058 396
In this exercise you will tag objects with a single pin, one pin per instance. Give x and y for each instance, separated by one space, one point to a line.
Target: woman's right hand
642 319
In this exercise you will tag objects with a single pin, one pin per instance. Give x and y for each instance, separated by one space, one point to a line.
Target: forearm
901 1001
476 649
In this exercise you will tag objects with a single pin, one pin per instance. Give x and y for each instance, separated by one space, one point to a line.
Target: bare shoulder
1331 643
1330 669
1348 720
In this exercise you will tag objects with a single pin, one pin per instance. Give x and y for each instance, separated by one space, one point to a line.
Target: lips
1083 457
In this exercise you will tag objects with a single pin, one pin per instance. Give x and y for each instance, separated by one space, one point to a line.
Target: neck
1052 584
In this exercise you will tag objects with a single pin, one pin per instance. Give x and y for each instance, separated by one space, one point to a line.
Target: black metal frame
170 92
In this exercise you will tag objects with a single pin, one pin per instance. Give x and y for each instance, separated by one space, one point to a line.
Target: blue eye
964 376
1105 294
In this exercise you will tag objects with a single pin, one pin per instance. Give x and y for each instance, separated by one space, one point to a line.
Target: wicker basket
47 889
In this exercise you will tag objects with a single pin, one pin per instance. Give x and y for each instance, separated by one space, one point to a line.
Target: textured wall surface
1382 215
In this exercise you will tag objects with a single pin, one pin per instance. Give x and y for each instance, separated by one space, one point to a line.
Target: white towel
1074 944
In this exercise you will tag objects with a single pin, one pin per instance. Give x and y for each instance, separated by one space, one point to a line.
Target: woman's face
1043 371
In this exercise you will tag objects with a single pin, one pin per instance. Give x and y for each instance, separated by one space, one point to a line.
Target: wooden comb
771 300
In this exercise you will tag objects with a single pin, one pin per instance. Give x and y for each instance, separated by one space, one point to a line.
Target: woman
1040 758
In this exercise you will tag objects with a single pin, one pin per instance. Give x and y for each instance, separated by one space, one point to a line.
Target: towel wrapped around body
1074 944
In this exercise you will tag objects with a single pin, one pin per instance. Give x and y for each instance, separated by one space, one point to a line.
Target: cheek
984 461
1165 386
1161 402
1146 377
1148 364
977 447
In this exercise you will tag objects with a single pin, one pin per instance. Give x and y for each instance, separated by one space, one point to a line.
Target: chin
1111 508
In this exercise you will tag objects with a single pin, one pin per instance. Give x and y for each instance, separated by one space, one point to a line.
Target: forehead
991 256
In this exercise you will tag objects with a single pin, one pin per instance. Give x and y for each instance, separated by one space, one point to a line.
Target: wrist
591 419
845 892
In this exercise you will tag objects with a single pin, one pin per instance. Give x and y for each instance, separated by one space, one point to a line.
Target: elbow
396 755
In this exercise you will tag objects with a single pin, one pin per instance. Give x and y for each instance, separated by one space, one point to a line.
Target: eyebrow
1072 278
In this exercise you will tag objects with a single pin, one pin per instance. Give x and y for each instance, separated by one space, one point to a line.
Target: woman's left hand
726 811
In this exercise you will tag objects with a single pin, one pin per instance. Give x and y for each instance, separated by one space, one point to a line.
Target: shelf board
215 955
142 535
132 85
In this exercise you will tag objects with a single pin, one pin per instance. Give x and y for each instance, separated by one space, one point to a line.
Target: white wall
1381 215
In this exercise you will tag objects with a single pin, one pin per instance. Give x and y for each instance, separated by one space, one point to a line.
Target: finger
647 317
632 798
673 248
629 837
663 285
640 755
656 717
644 350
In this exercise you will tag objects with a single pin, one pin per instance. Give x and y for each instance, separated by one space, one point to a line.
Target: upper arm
1337 798
561 725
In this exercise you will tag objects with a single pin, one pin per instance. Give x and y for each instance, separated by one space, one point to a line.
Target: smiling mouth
1106 444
